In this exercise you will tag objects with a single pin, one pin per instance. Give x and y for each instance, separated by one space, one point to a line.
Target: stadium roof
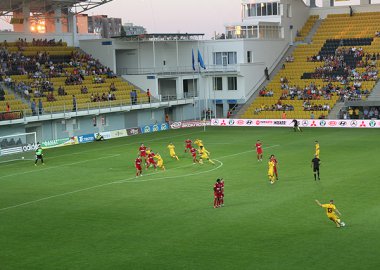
44 6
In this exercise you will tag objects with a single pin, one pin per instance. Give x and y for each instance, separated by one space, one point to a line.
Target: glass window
269 9
232 83
253 7
275 9
232 58
263 9
217 83
217 58
258 9
249 56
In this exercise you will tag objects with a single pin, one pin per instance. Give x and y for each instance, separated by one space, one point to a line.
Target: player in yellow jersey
172 151
199 143
271 165
330 212
160 161
316 149
204 155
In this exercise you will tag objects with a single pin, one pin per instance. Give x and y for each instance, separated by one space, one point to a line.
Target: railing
49 111
271 68
176 70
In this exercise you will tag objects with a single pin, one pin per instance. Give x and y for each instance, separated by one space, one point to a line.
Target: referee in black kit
315 163
296 127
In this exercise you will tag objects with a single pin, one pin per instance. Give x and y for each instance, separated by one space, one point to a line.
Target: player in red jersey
221 191
193 152
138 162
259 150
188 145
217 193
151 160
142 151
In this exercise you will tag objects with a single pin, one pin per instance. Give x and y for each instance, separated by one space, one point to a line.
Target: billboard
312 123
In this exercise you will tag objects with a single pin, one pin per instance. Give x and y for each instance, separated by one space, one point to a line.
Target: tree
122 32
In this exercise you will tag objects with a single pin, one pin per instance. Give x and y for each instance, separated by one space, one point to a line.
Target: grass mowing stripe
128 180
54 167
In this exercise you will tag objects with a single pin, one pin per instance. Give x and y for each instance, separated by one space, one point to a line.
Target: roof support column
58 19
26 16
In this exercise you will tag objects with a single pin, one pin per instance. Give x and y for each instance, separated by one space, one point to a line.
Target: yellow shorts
172 154
333 217
317 154
270 173
160 164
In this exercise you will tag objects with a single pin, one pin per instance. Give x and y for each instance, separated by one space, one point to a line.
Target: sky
172 16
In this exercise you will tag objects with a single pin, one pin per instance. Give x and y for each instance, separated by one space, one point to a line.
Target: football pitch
85 209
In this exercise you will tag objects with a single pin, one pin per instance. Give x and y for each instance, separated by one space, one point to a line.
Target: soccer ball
22 157
342 224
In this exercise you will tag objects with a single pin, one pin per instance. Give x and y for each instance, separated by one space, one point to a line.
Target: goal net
18 147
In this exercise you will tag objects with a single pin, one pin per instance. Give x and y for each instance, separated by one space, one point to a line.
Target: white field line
125 144
131 180
54 167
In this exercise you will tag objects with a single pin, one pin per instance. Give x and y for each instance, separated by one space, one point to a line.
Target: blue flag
200 60
193 59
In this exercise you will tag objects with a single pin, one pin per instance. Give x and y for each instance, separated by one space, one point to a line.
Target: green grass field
86 210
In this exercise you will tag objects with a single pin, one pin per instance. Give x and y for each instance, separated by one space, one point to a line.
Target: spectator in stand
167 118
112 87
61 91
228 113
356 113
7 107
84 90
283 116
133 97
74 103
33 107
2 94
148 94
40 107
50 97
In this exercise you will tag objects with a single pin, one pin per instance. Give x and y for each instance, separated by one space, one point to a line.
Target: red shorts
143 154
217 194
259 152
139 168
194 156
151 161
275 169
188 146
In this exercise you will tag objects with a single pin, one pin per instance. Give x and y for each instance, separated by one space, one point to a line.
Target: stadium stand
301 35
60 76
341 64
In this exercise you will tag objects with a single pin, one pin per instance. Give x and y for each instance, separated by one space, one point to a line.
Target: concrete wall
104 53
299 15
324 11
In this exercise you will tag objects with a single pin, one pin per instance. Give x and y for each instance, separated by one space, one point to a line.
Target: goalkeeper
39 156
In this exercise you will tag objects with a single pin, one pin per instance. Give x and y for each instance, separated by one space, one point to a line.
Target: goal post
18 147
